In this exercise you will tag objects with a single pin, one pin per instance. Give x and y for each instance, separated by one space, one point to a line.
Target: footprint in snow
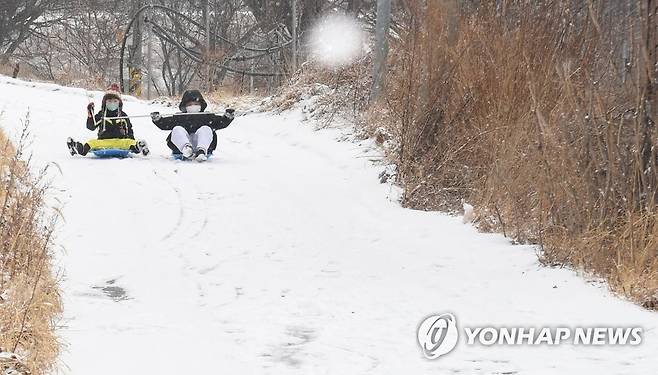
113 291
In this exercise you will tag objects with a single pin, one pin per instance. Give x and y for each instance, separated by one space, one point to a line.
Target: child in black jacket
112 132
193 133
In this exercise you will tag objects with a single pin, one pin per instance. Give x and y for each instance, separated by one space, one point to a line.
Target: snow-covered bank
284 255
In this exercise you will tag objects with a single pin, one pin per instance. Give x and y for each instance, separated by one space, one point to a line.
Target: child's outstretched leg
204 137
181 139
77 147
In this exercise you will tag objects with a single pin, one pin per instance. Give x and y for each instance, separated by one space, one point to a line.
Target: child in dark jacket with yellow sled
113 132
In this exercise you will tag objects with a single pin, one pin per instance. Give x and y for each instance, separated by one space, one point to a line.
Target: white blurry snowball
336 40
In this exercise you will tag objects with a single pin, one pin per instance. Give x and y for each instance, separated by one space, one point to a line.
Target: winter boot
187 152
77 147
200 155
70 143
142 147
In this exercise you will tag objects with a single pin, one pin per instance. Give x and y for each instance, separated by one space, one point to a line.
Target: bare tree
196 42
86 40
21 19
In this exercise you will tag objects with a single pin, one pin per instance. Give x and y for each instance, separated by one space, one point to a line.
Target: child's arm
91 119
94 122
223 121
164 123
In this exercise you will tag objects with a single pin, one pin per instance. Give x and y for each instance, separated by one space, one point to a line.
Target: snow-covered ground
284 254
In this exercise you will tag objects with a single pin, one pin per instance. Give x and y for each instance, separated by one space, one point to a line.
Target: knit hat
113 92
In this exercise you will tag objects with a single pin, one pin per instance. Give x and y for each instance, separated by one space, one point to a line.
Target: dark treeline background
250 43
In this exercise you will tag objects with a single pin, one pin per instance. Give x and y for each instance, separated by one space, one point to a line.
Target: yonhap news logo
439 334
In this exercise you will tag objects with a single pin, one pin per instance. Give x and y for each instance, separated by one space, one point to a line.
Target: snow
285 255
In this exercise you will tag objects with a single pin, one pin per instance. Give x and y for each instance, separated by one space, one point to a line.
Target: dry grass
30 303
342 92
6 69
223 98
68 76
527 114
6 150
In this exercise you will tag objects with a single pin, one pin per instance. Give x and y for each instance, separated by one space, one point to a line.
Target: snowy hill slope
284 255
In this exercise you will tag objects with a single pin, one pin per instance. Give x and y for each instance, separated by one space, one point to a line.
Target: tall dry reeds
542 116
29 295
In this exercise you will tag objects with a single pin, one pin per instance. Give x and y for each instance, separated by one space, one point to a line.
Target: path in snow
284 255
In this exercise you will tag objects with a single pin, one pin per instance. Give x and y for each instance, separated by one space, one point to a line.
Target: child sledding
193 132
115 132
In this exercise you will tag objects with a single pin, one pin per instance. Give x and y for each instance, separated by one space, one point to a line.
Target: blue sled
179 156
111 153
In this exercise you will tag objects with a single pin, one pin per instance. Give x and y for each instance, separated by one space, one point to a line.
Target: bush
530 113
29 295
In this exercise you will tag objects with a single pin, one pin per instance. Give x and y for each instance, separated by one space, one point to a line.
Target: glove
155 116
90 110
229 113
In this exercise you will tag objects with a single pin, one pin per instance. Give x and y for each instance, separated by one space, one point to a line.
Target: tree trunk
381 48
293 5
136 59
206 18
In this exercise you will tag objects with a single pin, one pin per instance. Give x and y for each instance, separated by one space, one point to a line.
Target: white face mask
193 108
